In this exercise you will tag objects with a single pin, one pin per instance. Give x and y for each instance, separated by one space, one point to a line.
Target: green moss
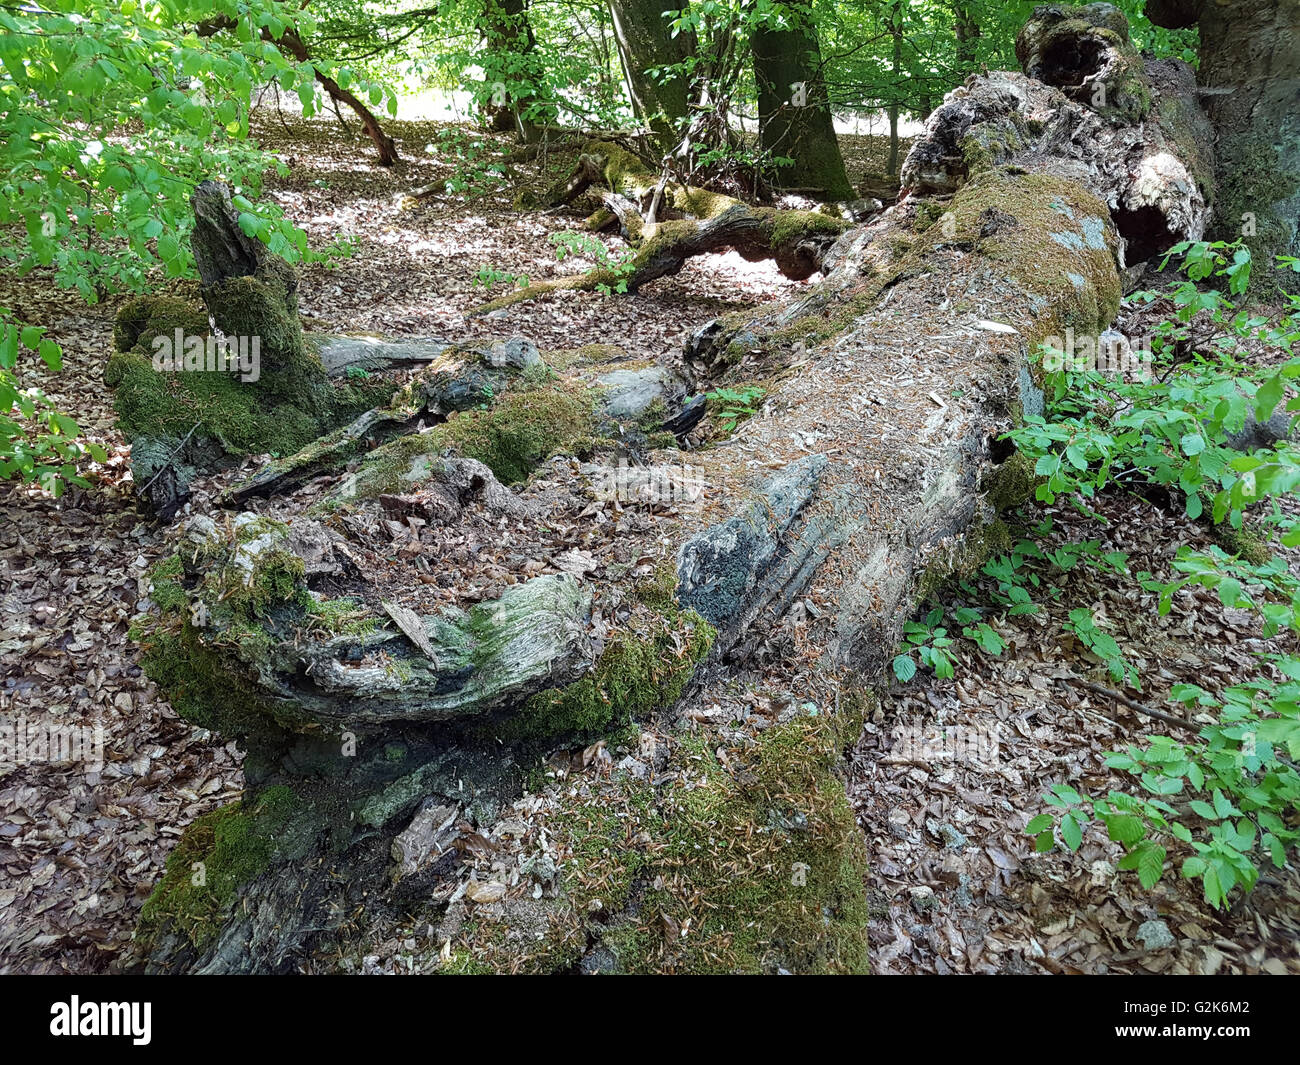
644 668
290 403
977 155
665 235
701 203
342 616
751 865
1061 255
1246 543
217 626
145 317
156 404
789 227
165 587
1251 181
1012 484
521 430
587 355
218 854
927 213
980 543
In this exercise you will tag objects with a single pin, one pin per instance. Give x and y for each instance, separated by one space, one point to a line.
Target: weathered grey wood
221 249
339 354
872 470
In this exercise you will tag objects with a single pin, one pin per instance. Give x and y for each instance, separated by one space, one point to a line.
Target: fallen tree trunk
735 622
692 221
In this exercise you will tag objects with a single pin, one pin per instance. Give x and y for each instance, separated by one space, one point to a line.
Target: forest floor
953 883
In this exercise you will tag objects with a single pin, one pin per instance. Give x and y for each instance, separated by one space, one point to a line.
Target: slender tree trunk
967 30
1250 78
294 45
794 113
509 33
645 40
896 32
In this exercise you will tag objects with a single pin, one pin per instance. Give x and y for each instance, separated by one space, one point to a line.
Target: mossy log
517 412
873 474
667 223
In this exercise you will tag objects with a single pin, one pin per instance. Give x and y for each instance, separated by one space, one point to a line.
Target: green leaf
904 668
1125 828
1269 396
1071 833
1151 866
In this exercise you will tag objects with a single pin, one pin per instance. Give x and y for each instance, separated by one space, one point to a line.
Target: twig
174 453
1132 704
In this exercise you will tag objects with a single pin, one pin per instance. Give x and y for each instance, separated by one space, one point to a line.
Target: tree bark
509 35
966 28
896 35
1250 73
645 41
794 113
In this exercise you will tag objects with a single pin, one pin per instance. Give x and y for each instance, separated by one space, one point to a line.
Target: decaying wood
873 472
667 223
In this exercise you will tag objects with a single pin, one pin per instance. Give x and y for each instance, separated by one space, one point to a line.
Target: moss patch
645 667
289 404
752 865
216 609
521 430
1012 484
218 854
1061 253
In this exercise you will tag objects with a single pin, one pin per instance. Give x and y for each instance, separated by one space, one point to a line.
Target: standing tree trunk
794 113
967 30
511 46
645 40
1250 78
896 32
